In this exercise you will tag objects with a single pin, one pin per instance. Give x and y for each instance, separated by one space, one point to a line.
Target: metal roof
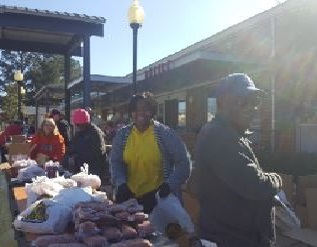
44 31
49 13
56 91
101 83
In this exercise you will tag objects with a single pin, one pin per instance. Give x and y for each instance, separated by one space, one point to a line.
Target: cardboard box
17 150
304 182
311 197
18 138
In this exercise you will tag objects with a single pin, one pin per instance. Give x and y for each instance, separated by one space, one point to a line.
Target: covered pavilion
52 32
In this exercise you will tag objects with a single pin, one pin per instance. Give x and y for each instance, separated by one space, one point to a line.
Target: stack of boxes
17 149
301 192
306 201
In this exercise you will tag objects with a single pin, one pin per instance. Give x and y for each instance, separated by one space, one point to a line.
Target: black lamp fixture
136 18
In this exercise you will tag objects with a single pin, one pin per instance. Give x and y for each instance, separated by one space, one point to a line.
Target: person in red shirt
48 142
15 128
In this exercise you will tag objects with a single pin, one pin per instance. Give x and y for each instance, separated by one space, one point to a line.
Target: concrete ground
284 241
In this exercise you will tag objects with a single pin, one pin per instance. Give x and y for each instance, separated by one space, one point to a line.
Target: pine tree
10 101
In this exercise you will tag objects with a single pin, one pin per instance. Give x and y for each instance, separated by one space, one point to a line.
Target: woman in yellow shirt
147 156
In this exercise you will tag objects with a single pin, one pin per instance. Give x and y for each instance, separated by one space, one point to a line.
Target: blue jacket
176 159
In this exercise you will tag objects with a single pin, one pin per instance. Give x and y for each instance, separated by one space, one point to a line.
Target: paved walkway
283 241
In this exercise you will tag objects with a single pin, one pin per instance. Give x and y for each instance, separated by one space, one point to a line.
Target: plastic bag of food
41 187
85 180
30 172
45 186
23 163
44 217
286 218
65 182
169 210
31 196
99 196
70 197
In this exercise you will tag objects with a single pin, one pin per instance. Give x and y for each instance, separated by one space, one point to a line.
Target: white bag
30 172
58 218
70 197
85 180
169 210
285 218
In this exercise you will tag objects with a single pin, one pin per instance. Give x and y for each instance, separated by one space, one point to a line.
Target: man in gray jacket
236 196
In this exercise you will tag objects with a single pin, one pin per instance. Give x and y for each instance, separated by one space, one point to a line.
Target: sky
169 26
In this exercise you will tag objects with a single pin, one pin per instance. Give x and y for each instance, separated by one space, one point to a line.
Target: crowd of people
147 158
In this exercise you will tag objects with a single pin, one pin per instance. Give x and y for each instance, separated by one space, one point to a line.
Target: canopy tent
52 32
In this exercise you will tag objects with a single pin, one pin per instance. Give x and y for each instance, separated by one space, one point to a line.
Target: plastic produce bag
285 216
70 197
57 216
30 172
41 186
65 182
24 163
169 210
85 180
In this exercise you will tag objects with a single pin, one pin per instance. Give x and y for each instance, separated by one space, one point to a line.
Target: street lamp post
18 77
136 18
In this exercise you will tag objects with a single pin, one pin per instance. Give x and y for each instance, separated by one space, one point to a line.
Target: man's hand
164 190
123 193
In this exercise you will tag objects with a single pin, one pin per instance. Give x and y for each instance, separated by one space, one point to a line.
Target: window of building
211 108
181 113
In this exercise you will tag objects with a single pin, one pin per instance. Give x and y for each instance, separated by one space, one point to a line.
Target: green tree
50 70
38 70
10 101
10 61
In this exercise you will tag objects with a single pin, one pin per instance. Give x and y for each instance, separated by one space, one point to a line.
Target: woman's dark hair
147 97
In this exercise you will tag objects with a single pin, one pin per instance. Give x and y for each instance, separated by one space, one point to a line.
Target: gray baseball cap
237 84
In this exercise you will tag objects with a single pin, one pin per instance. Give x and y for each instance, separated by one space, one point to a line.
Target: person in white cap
236 197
